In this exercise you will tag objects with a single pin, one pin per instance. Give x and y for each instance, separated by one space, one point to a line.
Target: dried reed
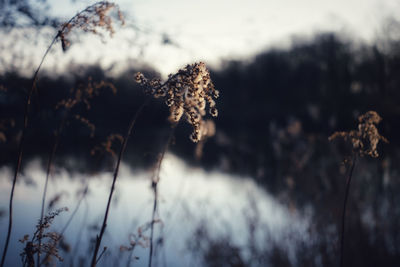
32 247
186 93
154 185
121 152
80 95
364 142
88 20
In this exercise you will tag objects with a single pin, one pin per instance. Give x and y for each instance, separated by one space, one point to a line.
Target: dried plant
84 93
366 138
364 141
90 20
139 239
49 248
108 145
154 185
186 93
99 237
96 17
81 95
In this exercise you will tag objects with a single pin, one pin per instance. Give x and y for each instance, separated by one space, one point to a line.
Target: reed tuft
186 93
34 246
93 17
366 138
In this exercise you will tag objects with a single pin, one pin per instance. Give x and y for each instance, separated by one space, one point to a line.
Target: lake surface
189 199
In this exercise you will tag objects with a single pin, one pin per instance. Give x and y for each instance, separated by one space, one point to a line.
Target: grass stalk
346 195
21 150
24 131
154 186
121 152
48 173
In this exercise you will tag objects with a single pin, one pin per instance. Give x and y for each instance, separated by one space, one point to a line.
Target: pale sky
211 30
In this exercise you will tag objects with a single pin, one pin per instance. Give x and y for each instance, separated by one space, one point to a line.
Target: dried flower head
186 93
89 20
49 247
366 138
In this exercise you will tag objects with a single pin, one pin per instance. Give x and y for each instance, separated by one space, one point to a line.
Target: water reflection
195 207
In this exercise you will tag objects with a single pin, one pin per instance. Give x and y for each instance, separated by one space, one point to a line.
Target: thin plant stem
101 254
20 152
346 195
48 173
154 186
75 211
121 152
79 235
24 130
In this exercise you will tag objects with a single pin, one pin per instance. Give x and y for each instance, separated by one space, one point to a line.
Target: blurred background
266 190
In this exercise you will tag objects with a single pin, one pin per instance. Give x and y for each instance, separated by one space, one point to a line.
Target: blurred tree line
276 113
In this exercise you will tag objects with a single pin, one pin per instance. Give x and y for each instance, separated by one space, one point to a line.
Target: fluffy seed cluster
89 20
187 94
49 247
366 138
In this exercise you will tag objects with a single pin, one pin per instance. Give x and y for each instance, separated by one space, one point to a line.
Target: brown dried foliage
89 20
49 248
138 239
186 93
83 94
108 145
365 139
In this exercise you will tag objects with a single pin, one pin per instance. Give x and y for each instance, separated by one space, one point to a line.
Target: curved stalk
24 130
154 186
346 195
121 152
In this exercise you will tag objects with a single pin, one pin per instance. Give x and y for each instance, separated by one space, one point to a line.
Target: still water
189 199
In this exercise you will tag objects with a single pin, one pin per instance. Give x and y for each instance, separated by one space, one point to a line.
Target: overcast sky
211 30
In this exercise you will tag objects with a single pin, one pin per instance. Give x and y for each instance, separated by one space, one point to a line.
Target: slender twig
346 195
154 184
24 130
121 152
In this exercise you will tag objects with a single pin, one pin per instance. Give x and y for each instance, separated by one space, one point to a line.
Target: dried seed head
366 138
50 241
186 93
89 20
